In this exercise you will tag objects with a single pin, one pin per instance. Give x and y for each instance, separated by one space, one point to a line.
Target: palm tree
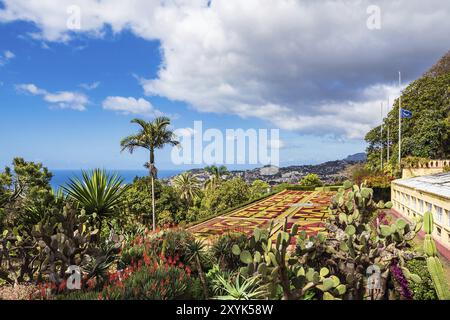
97 192
151 136
188 186
215 175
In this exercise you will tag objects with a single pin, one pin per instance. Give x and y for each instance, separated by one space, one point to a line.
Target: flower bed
308 209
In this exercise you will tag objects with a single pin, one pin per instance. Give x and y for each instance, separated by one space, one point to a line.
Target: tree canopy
427 133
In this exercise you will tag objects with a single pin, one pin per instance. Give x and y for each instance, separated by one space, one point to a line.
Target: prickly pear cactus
63 240
354 244
282 268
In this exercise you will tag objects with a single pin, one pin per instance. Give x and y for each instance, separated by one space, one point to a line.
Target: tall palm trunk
201 275
153 203
152 170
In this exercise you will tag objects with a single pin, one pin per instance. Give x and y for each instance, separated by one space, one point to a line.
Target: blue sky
61 121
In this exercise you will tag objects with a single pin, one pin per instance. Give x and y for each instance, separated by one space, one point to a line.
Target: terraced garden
307 209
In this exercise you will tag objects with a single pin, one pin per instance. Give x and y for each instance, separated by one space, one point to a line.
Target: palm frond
132 142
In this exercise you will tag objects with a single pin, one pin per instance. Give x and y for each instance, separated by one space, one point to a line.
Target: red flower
62 286
188 271
90 283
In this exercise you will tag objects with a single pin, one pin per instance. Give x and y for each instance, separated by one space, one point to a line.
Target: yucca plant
97 192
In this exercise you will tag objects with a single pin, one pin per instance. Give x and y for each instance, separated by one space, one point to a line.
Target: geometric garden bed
307 209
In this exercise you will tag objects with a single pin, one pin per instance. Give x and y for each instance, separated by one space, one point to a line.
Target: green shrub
195 290
311 180
425 289
222 249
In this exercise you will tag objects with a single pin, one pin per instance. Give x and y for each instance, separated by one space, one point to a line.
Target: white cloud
90 86
6 56
308 66
130 105
60 99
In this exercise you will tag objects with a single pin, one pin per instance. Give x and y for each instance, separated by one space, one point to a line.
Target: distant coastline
61 177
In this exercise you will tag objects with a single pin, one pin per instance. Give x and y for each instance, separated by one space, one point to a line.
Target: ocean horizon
62 176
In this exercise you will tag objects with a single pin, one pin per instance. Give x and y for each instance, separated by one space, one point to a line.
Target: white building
414 196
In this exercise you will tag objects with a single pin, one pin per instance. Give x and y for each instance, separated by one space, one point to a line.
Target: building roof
438 184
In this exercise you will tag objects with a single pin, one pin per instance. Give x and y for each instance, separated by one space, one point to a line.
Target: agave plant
97 192
241 289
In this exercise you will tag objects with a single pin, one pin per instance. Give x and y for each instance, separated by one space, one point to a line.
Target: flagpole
388 133
400 121
381 137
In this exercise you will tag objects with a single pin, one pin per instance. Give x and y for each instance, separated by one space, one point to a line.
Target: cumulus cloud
6 56
130 105
60 99
308 66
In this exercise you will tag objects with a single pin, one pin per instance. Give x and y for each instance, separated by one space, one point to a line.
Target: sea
61 177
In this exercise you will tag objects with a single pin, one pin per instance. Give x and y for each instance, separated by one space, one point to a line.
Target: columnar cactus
433 263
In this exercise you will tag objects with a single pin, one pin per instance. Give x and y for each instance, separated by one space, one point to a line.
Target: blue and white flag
406 113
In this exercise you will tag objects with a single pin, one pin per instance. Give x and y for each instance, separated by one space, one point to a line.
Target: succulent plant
279 266
66 239
433 263
352 244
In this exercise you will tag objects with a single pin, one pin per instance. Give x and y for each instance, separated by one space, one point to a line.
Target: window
448 217
429 206
439 214
439 231
421 206
413 203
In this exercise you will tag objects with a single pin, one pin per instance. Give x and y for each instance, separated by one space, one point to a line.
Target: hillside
329 172
427 133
